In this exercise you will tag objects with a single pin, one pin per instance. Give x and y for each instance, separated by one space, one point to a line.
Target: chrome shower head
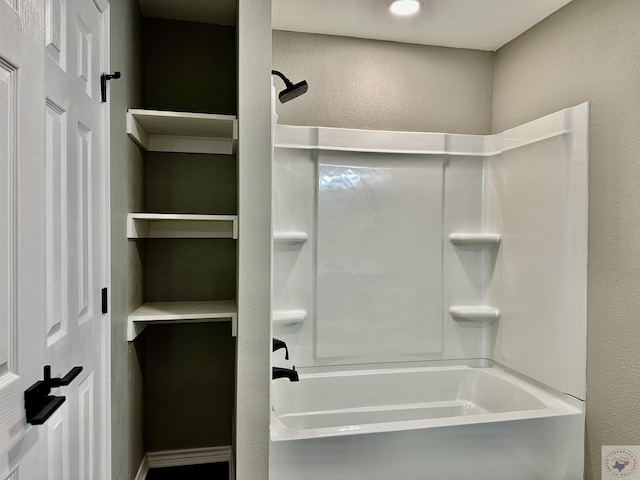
291 91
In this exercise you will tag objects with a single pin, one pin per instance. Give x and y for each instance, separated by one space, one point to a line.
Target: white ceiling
475 24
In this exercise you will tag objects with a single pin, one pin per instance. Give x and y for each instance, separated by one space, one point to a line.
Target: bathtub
471 421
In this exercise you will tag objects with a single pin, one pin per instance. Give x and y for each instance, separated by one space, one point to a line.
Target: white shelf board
284 318
169 225
290 237
476 313
164 131
481 241
181 312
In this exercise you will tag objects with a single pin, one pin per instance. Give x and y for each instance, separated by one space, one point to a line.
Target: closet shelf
478 313
164 131
285 318
181 312
479 241
169 225
290 237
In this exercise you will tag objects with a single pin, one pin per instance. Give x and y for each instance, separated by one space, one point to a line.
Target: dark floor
208 471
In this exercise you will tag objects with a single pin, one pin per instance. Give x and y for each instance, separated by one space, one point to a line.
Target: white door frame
105 8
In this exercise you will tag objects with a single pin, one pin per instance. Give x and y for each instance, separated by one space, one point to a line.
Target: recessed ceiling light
405 7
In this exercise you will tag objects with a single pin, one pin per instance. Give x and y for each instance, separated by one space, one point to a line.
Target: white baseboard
179 458
143 470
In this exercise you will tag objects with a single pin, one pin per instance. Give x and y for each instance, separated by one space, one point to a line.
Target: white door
54 236
21 224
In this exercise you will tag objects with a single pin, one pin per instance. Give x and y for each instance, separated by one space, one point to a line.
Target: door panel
52 241
56 220
55 31
72 69
84 58
82 175
7 208
87 431
58 445
12 101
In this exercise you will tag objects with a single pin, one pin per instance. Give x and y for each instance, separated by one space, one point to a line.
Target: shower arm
288 83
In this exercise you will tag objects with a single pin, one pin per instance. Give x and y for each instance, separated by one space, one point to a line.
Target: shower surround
431 289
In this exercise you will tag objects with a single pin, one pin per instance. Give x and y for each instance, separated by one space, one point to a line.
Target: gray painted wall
590 50
254 240
189 385
370 84
194 183
189 66
127 447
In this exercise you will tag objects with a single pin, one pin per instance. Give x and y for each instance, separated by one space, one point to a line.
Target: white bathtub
448 422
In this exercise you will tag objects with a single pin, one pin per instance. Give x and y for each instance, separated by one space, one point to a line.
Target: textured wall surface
589 50
190 182
189 66
254 240
189 385
369 84
126 266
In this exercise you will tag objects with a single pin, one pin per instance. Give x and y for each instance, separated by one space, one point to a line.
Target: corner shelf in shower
477 241
477 313
177 225
285 318
181 312
186 132
282 237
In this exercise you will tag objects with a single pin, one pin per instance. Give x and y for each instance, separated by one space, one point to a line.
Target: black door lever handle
39 405
64 381
47 410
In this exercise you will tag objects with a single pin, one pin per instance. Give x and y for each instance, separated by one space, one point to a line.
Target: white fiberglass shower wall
406 251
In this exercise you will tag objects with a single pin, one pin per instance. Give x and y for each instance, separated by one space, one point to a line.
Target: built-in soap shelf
186 132
170 225
476 313
181 312
283 237
285 318
477 241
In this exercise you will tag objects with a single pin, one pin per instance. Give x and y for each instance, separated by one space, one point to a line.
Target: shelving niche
476 313
289 237
181 312
163 225
481 242
165 131
288 240
182 132
181 186
285 318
